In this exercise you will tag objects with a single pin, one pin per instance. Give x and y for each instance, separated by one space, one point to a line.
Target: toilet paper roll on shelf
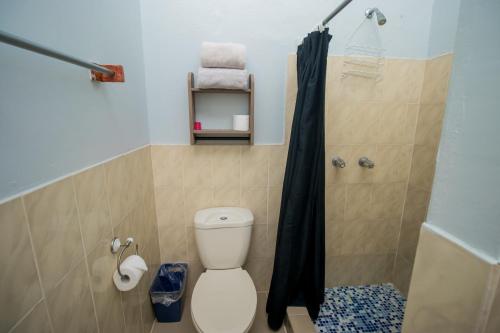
132 269
241 122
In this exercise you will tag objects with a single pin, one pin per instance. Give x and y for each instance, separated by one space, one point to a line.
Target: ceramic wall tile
173 243
440 269
197 166
119 187
167 162
387 200
392 163
227 196
65 218
259 245
255 199
254 166
358 269
396 122
70 303
36 321
365 236
277 164
132 311
335 201
170 205
351 123
492 324
408 239
402 80
430 123
360 89
226 166
274 205
93 209
107 298
437 75
260 270
402 274
53 221
192 249
416 204
19 282
423 167
196 198
357 204
334 233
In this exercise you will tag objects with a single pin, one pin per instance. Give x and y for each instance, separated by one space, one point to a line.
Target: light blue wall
53 119
466 195
173 31
443 27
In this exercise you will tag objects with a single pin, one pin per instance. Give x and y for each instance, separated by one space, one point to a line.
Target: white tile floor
186 324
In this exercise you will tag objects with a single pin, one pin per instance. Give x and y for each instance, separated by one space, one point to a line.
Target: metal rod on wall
336 11
110 75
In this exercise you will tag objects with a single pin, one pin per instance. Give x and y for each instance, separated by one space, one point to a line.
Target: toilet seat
224 301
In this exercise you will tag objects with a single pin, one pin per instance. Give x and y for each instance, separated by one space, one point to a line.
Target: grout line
153 188
488 299
123 310
108 202
140 307
87 268
153 326
35 259
20 321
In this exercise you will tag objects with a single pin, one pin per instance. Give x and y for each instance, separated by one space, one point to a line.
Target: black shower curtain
299 263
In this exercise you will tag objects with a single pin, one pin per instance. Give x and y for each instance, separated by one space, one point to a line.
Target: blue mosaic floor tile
373 308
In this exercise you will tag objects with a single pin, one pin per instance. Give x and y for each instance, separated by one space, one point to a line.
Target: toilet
224 298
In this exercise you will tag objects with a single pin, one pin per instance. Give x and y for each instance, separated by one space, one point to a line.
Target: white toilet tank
223 236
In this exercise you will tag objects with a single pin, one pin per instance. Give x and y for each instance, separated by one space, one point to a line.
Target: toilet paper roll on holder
116 244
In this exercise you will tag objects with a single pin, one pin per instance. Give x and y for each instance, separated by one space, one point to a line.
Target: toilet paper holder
116 244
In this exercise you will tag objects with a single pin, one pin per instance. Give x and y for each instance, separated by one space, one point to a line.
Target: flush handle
338 162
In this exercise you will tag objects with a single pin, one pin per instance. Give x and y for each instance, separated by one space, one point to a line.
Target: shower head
381 20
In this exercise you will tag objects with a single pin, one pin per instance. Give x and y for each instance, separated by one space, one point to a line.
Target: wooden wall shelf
220 136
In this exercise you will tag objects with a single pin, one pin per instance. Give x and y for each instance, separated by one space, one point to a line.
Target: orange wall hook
100 77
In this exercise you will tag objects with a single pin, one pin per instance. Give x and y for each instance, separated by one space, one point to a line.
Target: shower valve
365 162
338 162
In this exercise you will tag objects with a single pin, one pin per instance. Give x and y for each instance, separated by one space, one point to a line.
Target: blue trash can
167 292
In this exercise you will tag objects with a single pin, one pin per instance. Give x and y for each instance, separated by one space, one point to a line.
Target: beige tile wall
423 162
369 118
376 119
452 289
57 267
189 178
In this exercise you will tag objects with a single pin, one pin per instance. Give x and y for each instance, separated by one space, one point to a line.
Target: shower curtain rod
335 12
112 74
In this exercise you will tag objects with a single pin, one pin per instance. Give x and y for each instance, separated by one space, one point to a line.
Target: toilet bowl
224 299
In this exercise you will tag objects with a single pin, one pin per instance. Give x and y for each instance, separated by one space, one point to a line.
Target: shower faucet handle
338 162
365 162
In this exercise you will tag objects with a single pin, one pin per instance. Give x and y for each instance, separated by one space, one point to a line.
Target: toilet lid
224 301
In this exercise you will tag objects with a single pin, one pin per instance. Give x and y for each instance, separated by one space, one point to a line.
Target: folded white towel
223 55
222 78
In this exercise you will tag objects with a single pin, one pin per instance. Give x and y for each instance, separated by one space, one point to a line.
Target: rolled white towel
223 55
222 78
